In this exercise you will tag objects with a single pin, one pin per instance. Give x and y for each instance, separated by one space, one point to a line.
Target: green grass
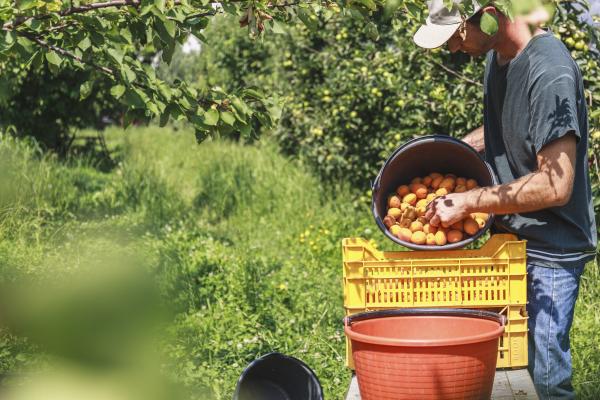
585 336
243 242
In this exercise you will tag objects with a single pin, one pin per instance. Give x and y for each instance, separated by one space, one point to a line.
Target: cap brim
432 36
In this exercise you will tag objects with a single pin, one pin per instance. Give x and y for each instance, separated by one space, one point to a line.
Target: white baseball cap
441 23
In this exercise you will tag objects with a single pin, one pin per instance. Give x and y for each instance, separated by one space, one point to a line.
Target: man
535 137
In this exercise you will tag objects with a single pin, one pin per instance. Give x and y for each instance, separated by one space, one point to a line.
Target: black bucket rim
264 357
410 245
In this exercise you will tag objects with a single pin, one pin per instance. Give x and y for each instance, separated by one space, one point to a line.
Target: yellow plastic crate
493 277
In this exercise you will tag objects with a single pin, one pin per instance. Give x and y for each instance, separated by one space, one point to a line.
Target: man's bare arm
550 186
475 139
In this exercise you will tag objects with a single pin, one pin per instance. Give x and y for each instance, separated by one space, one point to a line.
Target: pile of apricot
406 220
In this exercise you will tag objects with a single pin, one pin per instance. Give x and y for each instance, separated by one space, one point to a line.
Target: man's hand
448 209
475 139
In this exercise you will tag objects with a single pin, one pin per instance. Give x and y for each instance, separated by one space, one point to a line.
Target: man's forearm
475 139
532 192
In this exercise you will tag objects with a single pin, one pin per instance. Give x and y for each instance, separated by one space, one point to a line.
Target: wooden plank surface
508 385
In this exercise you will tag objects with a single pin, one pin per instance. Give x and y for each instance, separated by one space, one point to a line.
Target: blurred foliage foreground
165 277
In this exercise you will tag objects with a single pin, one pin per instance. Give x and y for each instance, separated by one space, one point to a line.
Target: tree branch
201 15
66 53
79 10
115 3
457 74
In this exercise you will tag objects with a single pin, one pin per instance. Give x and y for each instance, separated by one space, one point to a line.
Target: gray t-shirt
534 99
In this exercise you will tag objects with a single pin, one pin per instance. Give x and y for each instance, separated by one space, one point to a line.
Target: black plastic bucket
420 157
278 377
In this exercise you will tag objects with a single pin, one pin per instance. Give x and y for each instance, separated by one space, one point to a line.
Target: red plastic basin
425 353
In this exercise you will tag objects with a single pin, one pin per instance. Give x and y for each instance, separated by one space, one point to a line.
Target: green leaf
489 23
253 93
370 4
153 108
127 73
117 91
413 10
34 59
201 135
7 40
228 117
168 51
85 43
160 5
26 45
26 4
133 98
278 28
211 117
164 117
37 60
165 30
165 90
391 6
307 20
53 58
372 31
148 8
275 111
85 89
116 55
240 106
245 130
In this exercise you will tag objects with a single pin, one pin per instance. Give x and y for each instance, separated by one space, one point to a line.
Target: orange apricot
483 216
460 189
448 184
420 190
470 226
440 238
416 180
455 236
395 229
403 190
418 237
436 182
394 212
428 228
430 239
410 198
422 203
394 202
441 192
461 181
481 222
427 180
471 184
416 226
404 234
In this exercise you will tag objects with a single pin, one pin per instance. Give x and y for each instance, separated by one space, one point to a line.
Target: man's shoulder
547 51
549 60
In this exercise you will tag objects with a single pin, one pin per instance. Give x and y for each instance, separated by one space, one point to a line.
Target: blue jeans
551 293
